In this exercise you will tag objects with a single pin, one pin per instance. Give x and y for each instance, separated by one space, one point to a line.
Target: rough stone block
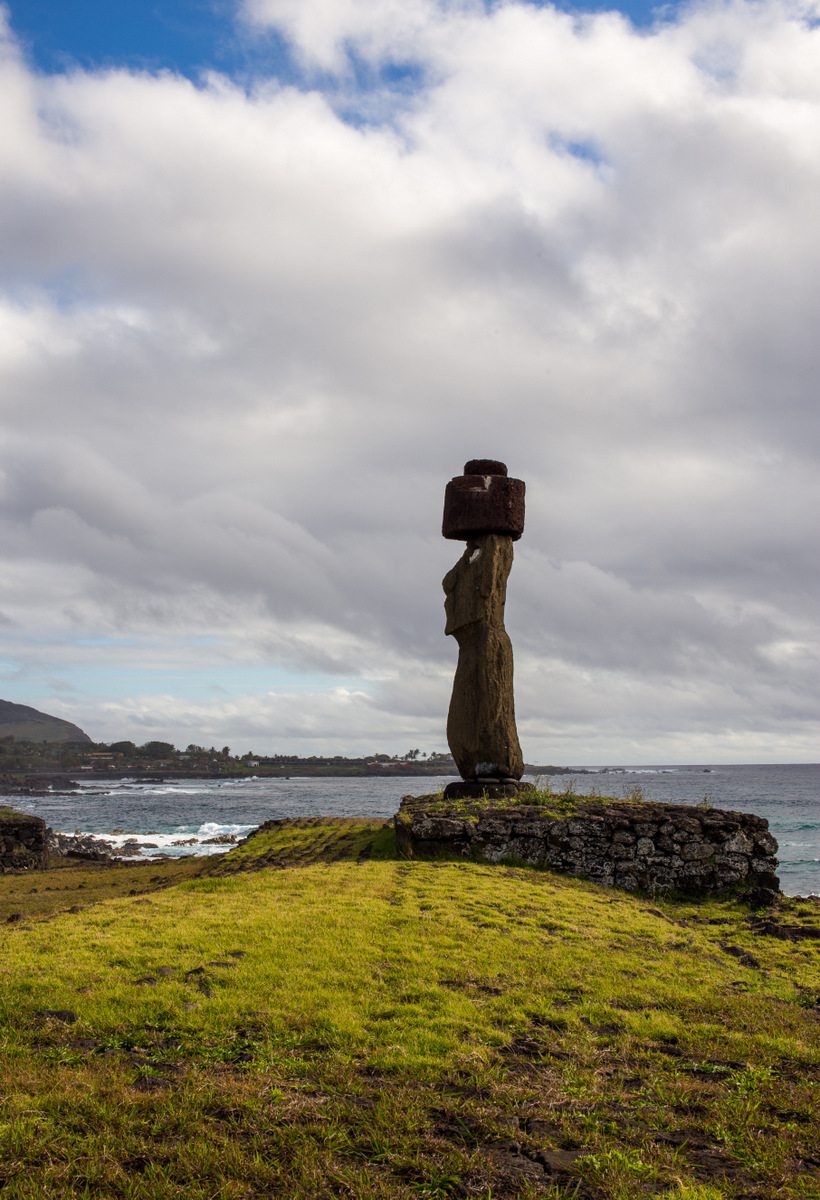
732 862
623 853
665 844
625 862
687 824
528 850
696 868
728 878
624 836
493 827
626 881
531 827
717 819
765 844
738 843
694 850
437 828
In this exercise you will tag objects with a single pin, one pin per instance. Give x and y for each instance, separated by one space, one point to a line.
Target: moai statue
484 508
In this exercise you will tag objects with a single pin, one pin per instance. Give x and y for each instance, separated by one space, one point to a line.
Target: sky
271 271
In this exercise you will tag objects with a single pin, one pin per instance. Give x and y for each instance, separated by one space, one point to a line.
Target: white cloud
323 32
245 339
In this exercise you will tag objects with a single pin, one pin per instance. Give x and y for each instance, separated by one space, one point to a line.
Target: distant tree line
23 755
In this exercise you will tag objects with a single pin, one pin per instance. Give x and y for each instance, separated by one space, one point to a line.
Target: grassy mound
368 1027
12 814
304 841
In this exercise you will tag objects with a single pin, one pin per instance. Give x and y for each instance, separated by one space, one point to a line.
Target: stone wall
22 842
653 847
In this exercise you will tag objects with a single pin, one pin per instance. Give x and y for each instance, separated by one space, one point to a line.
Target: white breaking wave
184 840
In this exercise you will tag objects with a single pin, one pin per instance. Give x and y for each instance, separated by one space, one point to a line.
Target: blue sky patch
191 37
185 36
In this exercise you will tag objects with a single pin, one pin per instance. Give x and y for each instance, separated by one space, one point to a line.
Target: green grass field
309 1016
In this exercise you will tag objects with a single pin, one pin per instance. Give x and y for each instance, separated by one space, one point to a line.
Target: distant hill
20 721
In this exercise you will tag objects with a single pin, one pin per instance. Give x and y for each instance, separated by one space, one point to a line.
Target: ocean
179 818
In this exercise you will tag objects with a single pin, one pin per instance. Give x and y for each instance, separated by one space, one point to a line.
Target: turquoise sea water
787 796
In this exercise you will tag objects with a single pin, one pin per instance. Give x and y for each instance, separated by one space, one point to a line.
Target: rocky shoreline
100 849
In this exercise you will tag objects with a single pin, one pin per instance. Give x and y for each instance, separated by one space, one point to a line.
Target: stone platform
635 846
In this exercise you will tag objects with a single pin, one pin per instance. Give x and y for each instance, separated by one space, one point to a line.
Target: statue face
462 604
450 584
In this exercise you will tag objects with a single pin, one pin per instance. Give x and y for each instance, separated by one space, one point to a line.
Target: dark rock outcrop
652 847
36 785
23 844
81 845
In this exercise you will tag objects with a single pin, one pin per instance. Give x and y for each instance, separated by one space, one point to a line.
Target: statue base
475 789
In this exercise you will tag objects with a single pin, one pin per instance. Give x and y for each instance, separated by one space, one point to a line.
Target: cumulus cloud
323 32
248 331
